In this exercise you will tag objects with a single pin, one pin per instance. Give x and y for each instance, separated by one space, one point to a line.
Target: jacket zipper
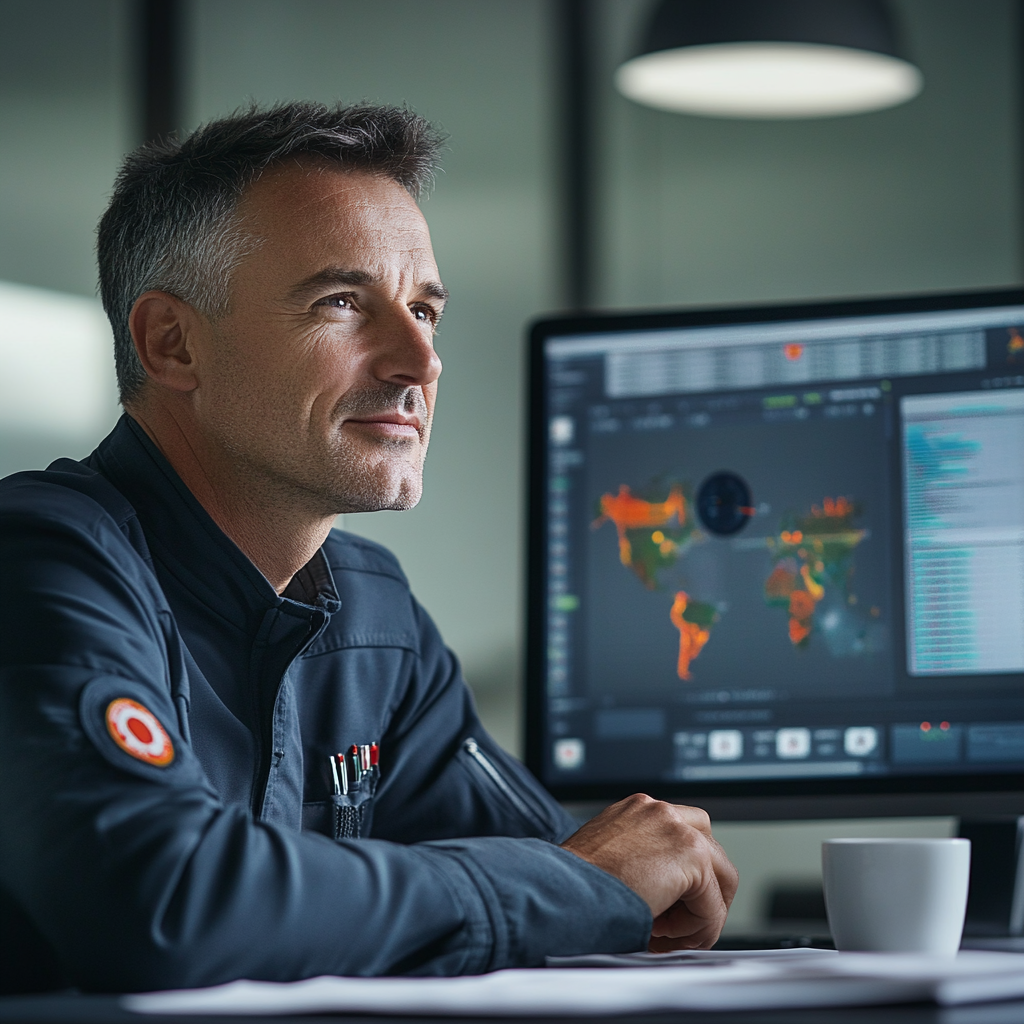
473 749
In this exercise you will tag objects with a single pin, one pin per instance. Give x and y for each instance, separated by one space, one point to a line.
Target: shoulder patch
138 732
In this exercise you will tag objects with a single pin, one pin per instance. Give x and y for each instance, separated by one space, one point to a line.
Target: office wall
921 197
481 70
65 121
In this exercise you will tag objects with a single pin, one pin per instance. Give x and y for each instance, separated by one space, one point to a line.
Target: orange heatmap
811 556
808 558
630 513
653 536
692 637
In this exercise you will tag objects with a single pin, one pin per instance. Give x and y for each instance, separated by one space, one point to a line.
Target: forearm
143 879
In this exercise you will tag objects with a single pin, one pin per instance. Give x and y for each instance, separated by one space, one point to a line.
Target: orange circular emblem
136 731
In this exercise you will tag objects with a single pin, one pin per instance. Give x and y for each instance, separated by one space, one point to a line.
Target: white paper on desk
683 957
712 983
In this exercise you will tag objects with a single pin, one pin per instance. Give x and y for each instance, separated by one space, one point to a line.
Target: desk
72 1009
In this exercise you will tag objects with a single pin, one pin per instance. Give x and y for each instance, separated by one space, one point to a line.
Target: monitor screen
779 551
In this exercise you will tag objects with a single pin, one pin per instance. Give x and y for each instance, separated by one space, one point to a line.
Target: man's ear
163 328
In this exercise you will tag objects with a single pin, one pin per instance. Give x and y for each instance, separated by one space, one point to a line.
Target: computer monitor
776 557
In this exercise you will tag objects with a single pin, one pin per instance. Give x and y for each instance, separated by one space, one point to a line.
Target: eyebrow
337 276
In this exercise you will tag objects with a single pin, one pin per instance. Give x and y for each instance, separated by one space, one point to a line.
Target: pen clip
340 775
334 774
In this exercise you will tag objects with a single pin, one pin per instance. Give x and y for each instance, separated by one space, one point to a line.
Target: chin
404 499
381 495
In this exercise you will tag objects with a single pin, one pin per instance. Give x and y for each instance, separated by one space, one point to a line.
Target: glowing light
57 358
768 80
793 351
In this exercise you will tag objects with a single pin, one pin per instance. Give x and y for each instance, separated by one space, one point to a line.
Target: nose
405 352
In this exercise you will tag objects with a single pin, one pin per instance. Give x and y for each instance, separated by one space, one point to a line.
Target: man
233 744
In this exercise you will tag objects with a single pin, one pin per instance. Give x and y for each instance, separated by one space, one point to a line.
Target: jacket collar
190 545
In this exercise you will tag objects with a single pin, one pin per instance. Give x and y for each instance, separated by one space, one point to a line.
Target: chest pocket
344 816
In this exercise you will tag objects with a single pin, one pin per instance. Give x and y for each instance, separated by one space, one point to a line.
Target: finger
701 899
664 944
696 910
660 944
726 873
679 922
685 933
699 914
695 817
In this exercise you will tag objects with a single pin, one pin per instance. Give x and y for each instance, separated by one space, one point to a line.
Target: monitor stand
995 902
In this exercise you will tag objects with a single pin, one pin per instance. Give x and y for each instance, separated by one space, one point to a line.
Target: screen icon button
860 741
568 754
725 744
791 743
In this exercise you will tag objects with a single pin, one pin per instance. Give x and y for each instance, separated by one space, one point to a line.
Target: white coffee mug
896 895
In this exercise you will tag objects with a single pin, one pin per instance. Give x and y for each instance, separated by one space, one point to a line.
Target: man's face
318 385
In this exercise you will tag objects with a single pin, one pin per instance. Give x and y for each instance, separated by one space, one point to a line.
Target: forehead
309 214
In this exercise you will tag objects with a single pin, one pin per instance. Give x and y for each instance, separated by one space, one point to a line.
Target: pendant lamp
770 59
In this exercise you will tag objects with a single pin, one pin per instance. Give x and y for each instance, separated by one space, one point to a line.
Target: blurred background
676 210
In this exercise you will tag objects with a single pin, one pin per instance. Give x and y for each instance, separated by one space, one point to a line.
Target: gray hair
171 224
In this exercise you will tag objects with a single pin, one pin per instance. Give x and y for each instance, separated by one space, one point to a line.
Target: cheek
430 397
320 388
240 370
310 379
329 357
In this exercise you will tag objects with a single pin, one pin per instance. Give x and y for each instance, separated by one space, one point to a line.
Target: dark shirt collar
189 543
311 582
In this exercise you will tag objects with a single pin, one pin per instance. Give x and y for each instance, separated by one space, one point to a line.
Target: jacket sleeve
447 778
139 877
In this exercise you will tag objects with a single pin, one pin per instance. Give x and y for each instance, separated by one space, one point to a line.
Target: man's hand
666 854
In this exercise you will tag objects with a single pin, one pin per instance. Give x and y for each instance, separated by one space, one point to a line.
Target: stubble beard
344 471
383 473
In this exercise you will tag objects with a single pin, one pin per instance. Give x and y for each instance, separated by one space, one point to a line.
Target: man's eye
336 301
426 314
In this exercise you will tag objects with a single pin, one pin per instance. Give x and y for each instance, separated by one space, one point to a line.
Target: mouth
389 424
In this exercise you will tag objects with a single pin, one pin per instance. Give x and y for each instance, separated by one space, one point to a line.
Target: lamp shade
770 59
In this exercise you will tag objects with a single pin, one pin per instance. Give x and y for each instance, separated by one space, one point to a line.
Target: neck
276 535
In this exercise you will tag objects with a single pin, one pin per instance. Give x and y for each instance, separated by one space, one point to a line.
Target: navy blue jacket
236 858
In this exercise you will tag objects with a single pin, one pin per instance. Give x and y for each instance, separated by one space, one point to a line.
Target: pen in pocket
349 769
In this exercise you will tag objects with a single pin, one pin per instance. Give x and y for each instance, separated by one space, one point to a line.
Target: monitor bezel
899 795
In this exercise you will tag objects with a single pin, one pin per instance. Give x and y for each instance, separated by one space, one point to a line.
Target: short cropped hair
171 224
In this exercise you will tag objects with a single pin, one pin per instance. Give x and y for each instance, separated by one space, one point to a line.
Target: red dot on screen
926 726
